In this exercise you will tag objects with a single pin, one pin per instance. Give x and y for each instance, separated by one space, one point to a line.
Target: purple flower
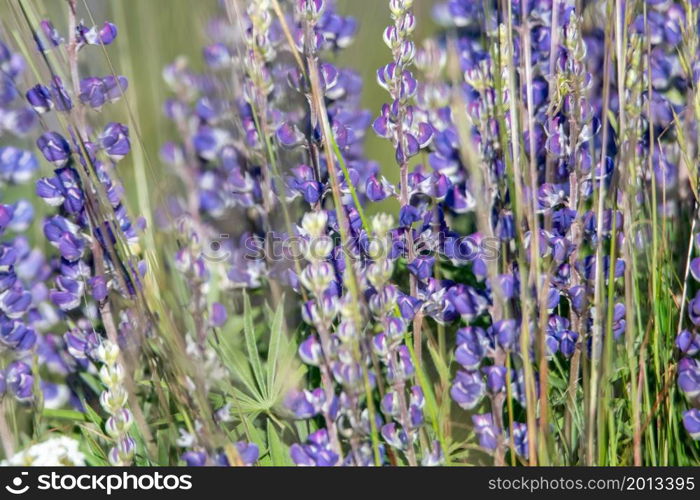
695 268
520 439
408 215
619 323
495 378
51 33
22 216
64 235
305 404
69 293
39 98
81 343
115 141
248 452
98 287
435 457
694 309
689 377
95 91
505 332
487 432
92 92
6 215
560 337
688 343
470 347
218 315
217 56
315 452
16 166
208 141
310 351
289 136
303 181
107 33
103 35
395 436
376 189
15 301
422 267
54 148
468 389
16 335
194 458
20 381
55 395
60 96
691 422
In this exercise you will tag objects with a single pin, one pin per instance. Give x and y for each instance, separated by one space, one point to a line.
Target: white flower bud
107 352
120 423
398 7
380 272
314 223
113 400
112 376
382 223
391 38
318 248
408 52
317 277
122 454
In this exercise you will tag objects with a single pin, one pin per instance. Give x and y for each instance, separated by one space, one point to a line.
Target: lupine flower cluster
21 288
490 266
688 344
88 223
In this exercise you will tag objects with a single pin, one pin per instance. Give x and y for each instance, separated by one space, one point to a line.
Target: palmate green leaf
261 377
275 342
279 452
247 401
250 404
236 362
251 346
243 372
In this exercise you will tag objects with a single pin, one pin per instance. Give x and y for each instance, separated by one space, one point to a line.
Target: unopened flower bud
107 352
113 400
112 375
120 423
314 223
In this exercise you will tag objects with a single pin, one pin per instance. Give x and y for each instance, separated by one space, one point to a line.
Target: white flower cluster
114 401
54 452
